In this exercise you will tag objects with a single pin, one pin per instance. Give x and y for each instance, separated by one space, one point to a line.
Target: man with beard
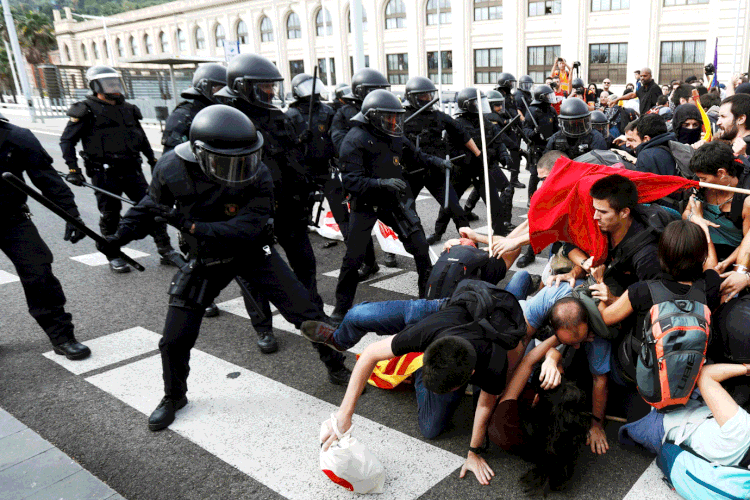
733 116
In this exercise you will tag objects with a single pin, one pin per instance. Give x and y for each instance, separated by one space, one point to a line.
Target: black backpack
604 157
731 343
458 263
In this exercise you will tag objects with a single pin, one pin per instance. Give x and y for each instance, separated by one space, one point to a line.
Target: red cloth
562 209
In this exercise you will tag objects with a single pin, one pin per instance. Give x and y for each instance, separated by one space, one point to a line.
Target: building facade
478 38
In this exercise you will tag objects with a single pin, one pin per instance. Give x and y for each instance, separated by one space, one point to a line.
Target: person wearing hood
650 138
686 124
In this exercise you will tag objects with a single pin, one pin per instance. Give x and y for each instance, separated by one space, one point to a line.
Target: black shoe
527 257
472 216
172 258
72 349
163 415
517 184
536 282
337 316
211 311
118 265
390 260
339 376
267 342
365 272
320 333
506 229
434 238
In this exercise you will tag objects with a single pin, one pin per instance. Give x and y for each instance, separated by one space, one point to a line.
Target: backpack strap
660 293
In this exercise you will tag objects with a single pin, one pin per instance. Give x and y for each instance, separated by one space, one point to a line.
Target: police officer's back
318 145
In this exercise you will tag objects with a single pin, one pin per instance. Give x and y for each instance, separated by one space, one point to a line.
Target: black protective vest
546 120
321 147
115 132
426 132
177 127
470 122
581 146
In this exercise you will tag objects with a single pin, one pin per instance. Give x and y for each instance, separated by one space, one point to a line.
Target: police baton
102 191
447 173
422 109
310 109
19 185
533 120
502 131
249 297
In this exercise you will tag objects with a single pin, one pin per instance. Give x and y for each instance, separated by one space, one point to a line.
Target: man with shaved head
648 92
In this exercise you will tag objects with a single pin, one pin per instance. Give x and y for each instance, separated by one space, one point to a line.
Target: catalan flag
391 372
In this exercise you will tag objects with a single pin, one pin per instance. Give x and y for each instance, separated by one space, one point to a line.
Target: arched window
148 43
95 50
133 46
200 39
266 30
395 15
181 41
84 53
242 33
67 53
364 20
432 12
293 26
323 25
219 35
164 42
120 47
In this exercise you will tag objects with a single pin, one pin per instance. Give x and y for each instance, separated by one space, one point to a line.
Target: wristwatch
476 451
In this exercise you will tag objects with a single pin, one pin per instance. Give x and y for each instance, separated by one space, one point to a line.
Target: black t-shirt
648 96
489 372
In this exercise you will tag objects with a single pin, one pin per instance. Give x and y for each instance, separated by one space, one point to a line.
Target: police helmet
383 111
365 81
525 83
420 91
208 79
575 117
467 101
599 122
253 78
506 81
577 83
343 91
302 86
107 81
542 94
225 144
497 101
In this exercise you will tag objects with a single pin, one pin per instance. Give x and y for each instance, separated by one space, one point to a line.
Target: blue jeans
519 285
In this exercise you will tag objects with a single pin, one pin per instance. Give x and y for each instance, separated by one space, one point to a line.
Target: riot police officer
207 80
338 101
435 133
523 93
221 196
19 239
371 159
506 82
113 141
600 123
575 136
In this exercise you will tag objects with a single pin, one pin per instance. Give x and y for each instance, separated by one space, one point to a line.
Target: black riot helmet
541 94
577 83
383 111
225 144
420 91
107 81
525 83
253 78
302 86
208 79
342 91
497 101
599 122
506 81
467 101
575 117
365 81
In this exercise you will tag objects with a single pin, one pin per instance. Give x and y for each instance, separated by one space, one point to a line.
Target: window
164 42
488 64
95 50
84 53
120 48
601 5
242 33
484 10
680 60
351 63
133 46
266 30
296 67
544 7
447 62
148 43
540 60
398 67
323 71
200 39
67 53
293 26
181 41
219 35
395 15
364 20
608 60
432 12
669 3
323 25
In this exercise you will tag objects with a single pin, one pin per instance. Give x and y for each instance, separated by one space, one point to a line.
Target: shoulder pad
78 110
137 112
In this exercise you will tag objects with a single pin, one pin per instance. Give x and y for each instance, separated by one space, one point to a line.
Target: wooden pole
486 170
723 188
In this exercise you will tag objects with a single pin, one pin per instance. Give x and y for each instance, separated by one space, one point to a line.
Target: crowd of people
239 175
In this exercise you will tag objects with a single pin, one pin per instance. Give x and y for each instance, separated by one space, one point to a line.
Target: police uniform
576 146
21 152
342 123
545 117
178 122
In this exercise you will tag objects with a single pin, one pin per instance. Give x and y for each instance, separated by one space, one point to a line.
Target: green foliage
90 7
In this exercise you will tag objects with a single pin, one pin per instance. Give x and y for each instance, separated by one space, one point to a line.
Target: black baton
102 191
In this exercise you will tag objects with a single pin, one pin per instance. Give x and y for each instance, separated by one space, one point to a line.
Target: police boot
169 256
433 238
164 414
390 260
515 182
471 202
211 311
367 271
506 211
108 225
527 257
267 342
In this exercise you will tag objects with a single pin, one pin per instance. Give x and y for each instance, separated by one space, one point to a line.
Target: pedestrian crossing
6 277
98 259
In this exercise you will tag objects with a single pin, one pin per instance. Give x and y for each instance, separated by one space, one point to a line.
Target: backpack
458 263
604 157
682 154
673 348
731 341
694 478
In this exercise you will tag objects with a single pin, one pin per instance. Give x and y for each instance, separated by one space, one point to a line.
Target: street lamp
106 33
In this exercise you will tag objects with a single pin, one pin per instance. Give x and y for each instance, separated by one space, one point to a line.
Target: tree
37 39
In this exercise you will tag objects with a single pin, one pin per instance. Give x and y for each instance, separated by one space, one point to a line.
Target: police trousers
462 182
434 181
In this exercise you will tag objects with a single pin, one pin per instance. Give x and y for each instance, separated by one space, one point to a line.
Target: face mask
688 135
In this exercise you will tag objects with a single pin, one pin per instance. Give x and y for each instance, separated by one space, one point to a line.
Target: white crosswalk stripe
98 259
403 283
6 277
384 271
651 486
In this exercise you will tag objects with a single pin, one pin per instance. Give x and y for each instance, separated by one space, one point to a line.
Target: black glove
305 137
505 158
75 177
446 165
152 163
72 233
111 249
173 217
395 185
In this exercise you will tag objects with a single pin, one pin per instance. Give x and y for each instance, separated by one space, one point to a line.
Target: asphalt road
257 421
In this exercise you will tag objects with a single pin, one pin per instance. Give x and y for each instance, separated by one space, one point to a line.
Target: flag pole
486 170
723 188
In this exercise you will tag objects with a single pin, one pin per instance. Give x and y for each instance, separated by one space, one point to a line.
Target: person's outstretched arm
721 403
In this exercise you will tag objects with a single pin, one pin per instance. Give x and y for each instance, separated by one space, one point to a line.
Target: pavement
250 430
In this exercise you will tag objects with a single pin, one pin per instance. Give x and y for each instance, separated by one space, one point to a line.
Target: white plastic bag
349 463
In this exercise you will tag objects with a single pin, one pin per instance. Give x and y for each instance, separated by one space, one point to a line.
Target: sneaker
164 414
267 342
320 333
119 266
390 260
366 272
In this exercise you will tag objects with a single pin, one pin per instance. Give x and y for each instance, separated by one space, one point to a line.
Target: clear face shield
510 85
232 171
112 86
525 86
363 90
388 122
575 127
549 98
420 99
498 106
258 92
471 106
305 88
603 128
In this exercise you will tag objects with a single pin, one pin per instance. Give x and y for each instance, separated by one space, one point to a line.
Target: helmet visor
525 86
257 91
498 106
471 106
509 84
419 99
232 171
112 85
388 122
363 90
575 127
603 128
549 98
305 89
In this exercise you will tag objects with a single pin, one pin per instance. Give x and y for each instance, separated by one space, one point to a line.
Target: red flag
562 209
